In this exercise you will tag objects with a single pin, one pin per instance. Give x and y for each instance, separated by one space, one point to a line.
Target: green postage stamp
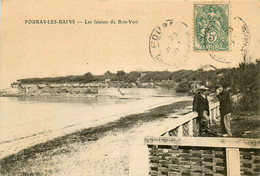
211 27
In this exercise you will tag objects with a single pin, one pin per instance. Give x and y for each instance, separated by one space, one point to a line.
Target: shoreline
41 135
58 146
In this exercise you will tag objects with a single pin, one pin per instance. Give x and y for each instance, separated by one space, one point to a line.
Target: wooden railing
203 156
186 125
173 149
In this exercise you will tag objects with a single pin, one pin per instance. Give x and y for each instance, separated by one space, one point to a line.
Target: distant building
220 75
107 80
3 92
54 85
41 85
75 85
14 85
207 68
195 85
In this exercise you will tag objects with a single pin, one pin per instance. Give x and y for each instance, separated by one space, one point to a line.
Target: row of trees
243 80
186 79
86 78
131 77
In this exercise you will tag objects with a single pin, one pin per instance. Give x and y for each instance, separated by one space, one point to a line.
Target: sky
47 50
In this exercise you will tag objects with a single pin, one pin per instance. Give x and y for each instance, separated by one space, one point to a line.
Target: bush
183 87
248 86
132 77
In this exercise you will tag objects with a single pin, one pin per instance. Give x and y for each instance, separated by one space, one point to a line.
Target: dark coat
195 102
225 103
202 104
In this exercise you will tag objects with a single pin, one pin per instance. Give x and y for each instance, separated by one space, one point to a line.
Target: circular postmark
239 41
169 44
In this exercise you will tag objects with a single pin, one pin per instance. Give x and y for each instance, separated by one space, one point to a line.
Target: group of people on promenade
201 106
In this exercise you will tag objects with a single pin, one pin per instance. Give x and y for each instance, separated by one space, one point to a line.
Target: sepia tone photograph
129 88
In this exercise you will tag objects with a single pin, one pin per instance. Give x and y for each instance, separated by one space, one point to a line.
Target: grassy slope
246 124
243 125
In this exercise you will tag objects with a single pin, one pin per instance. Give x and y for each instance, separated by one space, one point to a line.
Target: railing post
217 111
233 161
210 116
180 131
214 114
191 128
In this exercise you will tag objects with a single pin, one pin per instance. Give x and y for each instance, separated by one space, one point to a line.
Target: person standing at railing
195 101
225 109
201 105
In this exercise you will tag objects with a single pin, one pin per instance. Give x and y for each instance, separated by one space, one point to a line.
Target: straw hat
203 88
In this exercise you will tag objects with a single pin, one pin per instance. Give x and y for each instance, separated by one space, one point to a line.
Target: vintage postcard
106 88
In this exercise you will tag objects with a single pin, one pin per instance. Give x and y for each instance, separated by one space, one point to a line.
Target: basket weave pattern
195 127
185 161
250 162
185 129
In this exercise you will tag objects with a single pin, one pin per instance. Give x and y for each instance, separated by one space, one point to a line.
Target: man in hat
202 108
195 101
226 108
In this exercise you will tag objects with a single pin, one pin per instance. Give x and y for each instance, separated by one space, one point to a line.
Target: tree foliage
132 77
120 76
88 77
248 86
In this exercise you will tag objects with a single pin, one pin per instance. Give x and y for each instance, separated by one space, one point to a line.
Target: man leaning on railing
226 108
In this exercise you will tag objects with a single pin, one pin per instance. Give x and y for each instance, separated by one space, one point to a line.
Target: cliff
56 89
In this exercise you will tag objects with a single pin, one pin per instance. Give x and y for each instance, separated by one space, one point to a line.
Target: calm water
26 121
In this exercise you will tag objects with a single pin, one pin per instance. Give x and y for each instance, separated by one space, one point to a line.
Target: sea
27 121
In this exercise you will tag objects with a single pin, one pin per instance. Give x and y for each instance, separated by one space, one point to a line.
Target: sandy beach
37 120
101 150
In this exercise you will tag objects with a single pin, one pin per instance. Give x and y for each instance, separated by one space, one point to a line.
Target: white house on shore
207 68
